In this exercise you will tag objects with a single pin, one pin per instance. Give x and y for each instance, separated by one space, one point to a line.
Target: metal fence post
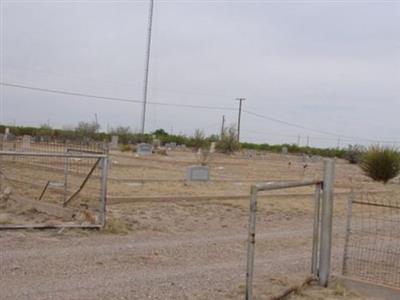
317 210
348 230
66 170
326 223
103 195
251 243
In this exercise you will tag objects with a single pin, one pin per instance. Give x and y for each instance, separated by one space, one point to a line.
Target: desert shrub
228 142
380 163
198 141
115 226
125 148
353 154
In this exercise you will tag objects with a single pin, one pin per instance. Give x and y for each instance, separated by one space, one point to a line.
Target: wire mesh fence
50 184
372 248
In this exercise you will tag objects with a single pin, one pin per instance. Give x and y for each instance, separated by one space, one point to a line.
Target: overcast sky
332 66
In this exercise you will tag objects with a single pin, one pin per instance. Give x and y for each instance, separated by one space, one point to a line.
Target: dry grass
115 226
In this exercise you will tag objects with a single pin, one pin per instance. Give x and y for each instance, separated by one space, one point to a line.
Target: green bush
381 164
353 154
125 148
198 141
228 142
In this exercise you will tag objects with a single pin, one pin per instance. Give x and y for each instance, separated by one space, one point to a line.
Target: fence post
251 243
326 223
317 212
348 230
66 170
103 195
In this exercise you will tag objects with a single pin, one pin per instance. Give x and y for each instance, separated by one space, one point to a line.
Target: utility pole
146 70
97 122
308 141
298 140
240 116
338 143
222 127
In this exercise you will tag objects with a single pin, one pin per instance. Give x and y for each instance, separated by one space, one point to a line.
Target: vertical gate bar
251 243
103 195
317 209
66 170
326 223
348 229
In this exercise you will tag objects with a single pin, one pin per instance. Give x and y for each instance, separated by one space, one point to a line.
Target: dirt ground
184 248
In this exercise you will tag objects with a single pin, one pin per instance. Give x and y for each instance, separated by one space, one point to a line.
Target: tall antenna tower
146 70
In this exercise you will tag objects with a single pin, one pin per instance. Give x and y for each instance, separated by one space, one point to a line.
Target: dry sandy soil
184 248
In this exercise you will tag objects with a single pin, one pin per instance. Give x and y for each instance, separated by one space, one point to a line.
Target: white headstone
156 143
198 173
26 142
170 146
114 142
144 149
284 150
212 147
7 132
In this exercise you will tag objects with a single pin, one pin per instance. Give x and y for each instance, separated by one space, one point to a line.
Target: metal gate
52 189
322 228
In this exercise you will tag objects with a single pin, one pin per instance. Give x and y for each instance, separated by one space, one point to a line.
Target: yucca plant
381 163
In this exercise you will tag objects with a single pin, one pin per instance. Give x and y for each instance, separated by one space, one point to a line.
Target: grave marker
144 149
170 146
198 173
114 142
26 142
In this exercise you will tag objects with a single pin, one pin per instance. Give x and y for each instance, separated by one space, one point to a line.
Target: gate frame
322 227
103 158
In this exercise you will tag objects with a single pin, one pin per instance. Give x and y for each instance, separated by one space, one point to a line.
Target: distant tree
86 129
121 130
45 130
353 154
199 141
160 132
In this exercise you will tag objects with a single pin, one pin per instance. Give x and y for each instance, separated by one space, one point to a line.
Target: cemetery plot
188 238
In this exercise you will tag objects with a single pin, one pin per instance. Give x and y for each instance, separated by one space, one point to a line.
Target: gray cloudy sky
329 65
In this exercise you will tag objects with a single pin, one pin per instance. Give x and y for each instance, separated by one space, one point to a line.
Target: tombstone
170 146
198 173
144 149
114 143
212 147
156 143
284 150
26 142
7 131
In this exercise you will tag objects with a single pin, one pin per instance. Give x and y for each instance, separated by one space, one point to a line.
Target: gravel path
45 265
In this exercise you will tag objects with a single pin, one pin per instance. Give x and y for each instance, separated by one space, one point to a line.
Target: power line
313 129
114 99
193 106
